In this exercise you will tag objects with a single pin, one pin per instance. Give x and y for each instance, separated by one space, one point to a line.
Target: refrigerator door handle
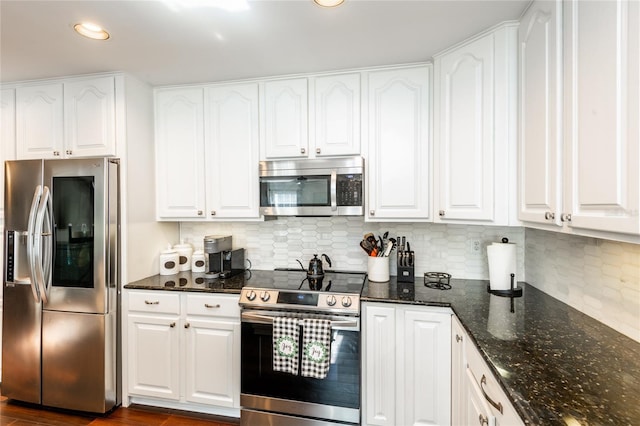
49 247
31 247
42 242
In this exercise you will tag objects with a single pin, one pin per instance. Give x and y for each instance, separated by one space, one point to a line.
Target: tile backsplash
598 277
278 243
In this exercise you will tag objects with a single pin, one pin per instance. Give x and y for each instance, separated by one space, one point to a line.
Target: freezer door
78 361
21 317
85 200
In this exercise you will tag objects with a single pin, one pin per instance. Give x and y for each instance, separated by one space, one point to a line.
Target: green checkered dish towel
285 344
316 346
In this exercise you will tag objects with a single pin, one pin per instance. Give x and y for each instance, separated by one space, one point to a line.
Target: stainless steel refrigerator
60 339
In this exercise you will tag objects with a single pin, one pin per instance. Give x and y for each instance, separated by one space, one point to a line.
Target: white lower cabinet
476 395
406 365
183 351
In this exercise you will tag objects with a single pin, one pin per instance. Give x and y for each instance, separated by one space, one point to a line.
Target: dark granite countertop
555 363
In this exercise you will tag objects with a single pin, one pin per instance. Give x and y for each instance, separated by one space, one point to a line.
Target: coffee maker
223 261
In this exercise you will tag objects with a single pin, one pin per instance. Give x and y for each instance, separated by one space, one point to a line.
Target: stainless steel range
271 397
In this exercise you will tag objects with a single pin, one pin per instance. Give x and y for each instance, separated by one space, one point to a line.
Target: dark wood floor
19 414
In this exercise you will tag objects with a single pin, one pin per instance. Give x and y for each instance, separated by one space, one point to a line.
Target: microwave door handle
31 255
334 191
40 240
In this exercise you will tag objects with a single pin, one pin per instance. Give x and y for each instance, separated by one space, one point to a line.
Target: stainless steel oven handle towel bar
268 319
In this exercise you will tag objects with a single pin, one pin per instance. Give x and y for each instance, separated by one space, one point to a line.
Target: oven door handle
268 319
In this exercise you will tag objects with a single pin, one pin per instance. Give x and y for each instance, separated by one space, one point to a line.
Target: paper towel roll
502 263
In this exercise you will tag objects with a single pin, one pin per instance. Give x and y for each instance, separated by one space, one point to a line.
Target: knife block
406 274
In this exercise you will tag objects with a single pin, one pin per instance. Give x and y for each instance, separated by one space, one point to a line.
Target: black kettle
315 266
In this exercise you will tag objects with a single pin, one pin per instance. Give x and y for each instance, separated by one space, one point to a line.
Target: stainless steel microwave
314 187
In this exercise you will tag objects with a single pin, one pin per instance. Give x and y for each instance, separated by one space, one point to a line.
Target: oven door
336 397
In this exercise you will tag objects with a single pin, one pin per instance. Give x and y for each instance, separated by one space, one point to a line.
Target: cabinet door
7 135
153 359
540 47
337 115
89 117
423 390
180 153
602 133
39 115
458 374
212 362
379 336
286 121
232 151
465 143
399 163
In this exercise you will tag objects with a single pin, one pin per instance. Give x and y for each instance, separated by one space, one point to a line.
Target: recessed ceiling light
329 3
90 30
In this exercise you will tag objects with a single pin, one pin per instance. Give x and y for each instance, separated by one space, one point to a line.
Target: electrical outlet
474 247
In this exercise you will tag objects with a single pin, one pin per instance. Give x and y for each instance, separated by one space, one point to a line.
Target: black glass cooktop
296 279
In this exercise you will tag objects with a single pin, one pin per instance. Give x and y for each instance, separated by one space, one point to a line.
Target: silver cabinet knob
458 338
484 421
441 213
199 212
187 325
303 151
213 212
565 217
549 215
317 150
372 212
69 152
56 153
173 324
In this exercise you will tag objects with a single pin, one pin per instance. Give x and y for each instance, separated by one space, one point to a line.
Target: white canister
378 269
198 261
169 261
184 255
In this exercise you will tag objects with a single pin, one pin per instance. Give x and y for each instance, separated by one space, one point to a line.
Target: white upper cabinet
475 129
207 152
39 125
337 115
540 49
7 135
286 118
180 158
231 148
399 153
72 118
601 44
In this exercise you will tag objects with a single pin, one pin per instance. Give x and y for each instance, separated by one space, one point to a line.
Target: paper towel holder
514 291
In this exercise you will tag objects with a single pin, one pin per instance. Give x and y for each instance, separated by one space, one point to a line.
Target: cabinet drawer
213 305
154 301
491 389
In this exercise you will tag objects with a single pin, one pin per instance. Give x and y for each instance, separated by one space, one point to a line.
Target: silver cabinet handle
187 325
483 420
206 305
156 302
303 151
497 405
199 212
458 339
549 216
565 217
372 212
173 324
441 213
317 150
213 212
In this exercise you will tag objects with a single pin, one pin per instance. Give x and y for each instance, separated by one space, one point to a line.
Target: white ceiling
205 44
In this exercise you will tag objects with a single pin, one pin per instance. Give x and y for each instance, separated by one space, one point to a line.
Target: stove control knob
331 300
251 295
264 296
346 301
